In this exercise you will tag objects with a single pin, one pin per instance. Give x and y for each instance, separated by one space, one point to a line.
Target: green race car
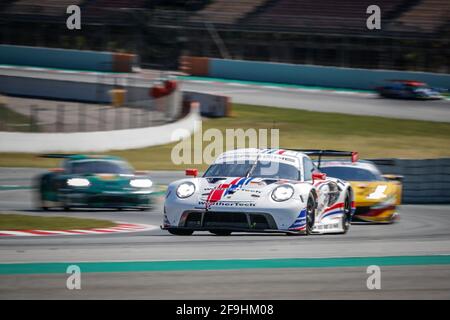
85 181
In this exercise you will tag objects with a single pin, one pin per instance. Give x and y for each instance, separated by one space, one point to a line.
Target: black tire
180 232
310 214
346 219
222 233
40 204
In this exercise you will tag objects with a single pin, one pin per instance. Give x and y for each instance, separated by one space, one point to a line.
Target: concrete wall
66 59
101 140
70 90
316 75
425 181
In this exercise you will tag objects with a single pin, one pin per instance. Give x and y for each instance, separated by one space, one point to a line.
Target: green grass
13 121
370 136
26 222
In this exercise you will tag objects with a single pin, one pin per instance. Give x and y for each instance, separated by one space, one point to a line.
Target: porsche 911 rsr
259 190
85 181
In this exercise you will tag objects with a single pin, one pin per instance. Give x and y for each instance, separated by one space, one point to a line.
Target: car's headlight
282 193
141 183
78 182
185 190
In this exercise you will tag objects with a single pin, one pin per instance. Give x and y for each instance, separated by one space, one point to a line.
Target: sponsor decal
229 204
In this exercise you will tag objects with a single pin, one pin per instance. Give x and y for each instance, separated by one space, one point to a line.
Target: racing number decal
378 193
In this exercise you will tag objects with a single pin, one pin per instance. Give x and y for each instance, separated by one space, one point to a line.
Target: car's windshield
262 169
99 166
351 173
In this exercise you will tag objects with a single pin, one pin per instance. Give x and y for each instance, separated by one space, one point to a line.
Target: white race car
259 190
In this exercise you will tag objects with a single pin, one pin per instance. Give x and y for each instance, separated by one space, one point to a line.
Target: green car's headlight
78 182
282 193
185 190
141 183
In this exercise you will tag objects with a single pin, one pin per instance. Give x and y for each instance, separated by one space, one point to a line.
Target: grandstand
227 11
414 34
427 16
43 7
98 9
319 14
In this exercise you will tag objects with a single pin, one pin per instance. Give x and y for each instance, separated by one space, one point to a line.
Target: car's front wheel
310 214
180 232
347 216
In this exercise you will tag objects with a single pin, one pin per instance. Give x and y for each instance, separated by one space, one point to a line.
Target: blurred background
139 70
414 34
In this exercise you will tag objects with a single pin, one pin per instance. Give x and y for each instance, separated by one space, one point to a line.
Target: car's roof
283 155
256 151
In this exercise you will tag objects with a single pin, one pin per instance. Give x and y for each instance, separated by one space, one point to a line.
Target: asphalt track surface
421 231
367 104
276 95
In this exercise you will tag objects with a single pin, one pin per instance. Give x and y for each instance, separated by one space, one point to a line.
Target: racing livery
377 196
259 190
85 181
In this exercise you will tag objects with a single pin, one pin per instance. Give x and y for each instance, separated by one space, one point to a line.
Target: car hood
235 189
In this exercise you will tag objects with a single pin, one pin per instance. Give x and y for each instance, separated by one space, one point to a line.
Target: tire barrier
198 66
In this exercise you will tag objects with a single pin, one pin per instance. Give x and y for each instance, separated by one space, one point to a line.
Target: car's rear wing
56 155
328 153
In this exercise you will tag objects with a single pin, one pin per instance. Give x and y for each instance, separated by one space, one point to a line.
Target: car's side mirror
319 176
192 172
393 177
